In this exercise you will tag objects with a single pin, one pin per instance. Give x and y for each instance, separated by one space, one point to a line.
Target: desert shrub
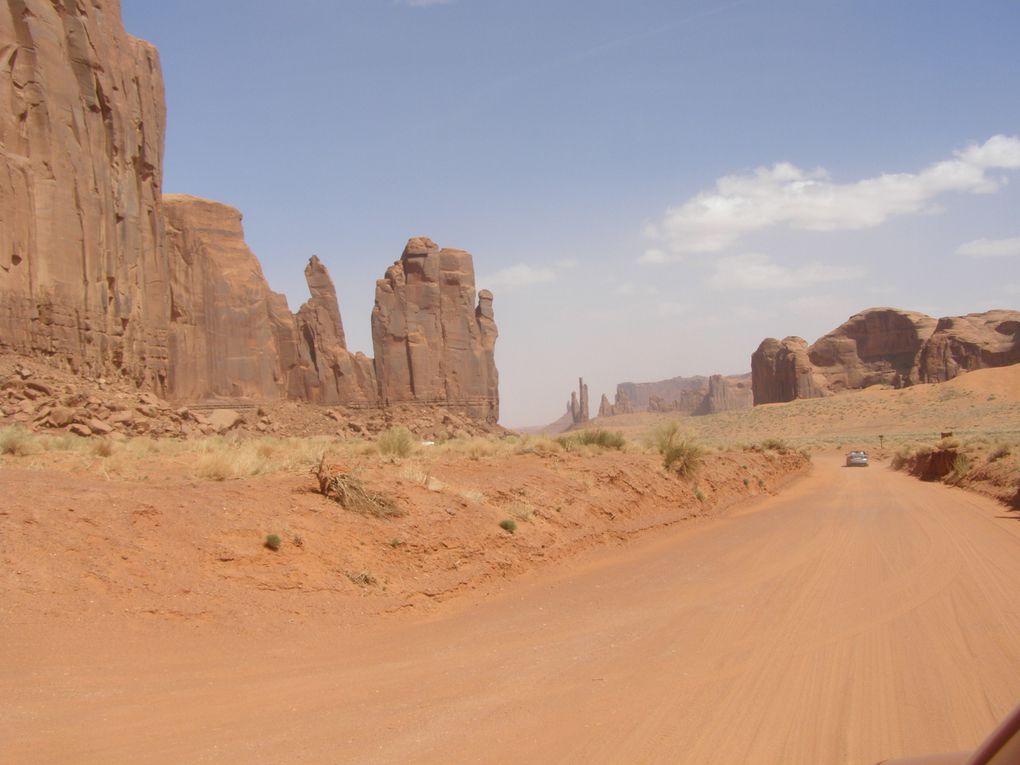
699 494
17 441
508 525
396 442
228 465
948 444
397 542
416 474
665 436
521 510
961 465
902 458
680 452
1000 451
541 445
273 542
775 445
683 457
598 437
348 490
747 483
362 578
102 447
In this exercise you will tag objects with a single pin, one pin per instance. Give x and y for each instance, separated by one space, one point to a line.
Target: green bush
680 453
509 525
684 457
396 442
273 542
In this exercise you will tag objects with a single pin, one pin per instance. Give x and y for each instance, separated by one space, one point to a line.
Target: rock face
433 344
726 394
82 273
781 371
107 278
324 371
974 341
880 346
224 332
685 395
883 346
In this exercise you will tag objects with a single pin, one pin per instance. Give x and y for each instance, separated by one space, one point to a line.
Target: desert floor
859 614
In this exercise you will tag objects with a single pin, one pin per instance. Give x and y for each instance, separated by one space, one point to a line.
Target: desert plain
770 606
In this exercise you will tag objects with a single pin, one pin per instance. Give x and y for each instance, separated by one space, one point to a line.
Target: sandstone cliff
433 344
105 277
223 335
83 279
974 341
684 395
883 346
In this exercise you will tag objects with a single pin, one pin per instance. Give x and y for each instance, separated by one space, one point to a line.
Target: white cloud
756 271
990 248
786 195
520 275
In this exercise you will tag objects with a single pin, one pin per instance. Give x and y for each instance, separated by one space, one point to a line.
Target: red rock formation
726 394
432 344
974 341
223 330
685 395
605 408
102 275
880 346
82 277
578 406
883 346
781 371
326 372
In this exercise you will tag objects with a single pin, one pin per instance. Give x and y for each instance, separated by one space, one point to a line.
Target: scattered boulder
222 420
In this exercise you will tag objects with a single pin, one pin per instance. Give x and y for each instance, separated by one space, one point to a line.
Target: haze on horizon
649 188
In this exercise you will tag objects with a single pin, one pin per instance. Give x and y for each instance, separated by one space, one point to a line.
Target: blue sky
648 187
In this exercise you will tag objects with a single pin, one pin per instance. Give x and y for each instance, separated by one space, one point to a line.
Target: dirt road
860 615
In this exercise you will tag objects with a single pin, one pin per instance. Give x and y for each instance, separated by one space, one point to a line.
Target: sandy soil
859 615
74 545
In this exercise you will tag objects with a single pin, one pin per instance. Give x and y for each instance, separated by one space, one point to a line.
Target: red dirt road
860 615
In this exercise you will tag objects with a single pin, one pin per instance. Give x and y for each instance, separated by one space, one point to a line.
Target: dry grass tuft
396 443
17 441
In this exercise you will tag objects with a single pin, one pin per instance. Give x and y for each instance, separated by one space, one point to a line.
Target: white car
857 459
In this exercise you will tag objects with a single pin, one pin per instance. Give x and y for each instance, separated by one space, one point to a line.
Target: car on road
857 458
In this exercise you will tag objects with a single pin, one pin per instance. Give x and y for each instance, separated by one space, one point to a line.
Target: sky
649 187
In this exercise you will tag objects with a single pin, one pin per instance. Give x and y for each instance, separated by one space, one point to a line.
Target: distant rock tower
579 403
